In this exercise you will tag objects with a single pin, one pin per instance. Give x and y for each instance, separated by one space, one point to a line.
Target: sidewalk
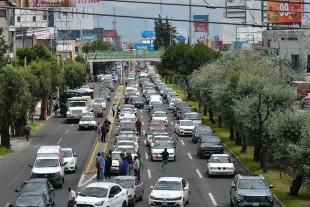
103 147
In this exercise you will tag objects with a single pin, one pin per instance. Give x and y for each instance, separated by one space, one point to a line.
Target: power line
152 18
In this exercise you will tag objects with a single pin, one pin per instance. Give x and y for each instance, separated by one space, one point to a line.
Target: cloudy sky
130 29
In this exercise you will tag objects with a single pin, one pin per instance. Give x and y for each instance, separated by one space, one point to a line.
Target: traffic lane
179 168
221 193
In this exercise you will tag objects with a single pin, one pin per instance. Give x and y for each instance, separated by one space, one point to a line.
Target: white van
156 98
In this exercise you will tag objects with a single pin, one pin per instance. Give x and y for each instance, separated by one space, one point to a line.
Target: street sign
88 37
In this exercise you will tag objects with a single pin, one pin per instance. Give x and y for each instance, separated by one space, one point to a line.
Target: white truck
77 106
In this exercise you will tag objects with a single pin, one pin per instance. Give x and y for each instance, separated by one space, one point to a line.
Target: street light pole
190 23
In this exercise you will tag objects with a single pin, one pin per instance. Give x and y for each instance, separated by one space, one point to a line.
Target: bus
63 98
86 92
302 88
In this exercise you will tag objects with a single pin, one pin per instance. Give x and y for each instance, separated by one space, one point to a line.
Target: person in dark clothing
27 130
107 124
129 161
56 109
165 156
108 165
123 167
98 165
138 125
103 133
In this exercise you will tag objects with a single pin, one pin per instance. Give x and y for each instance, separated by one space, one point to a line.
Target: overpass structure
120 56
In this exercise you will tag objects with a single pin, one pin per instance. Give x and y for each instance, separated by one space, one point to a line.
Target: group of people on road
103 165
103 130
127 164
116 109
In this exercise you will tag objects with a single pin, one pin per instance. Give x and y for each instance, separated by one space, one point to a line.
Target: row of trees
248 93
32 77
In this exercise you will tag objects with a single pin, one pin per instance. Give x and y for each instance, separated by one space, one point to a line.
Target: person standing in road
56 108
124 167
175 140
98 130
107 124
108 166
119 108
129 161
103 133
140 165
113 110
165 156
27 130
98 165
136 167
138 125
103 162
72 197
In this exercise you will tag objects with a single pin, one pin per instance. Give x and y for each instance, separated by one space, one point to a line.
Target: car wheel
80 128
231 203
200 156
197 153
209 175
124 204
53 203
152 158
187 202
175 158
134 201
76 167
63 180
68 121
141 197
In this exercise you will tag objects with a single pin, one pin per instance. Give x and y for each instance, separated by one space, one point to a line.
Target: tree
79 58
27 53
42 52
74 74
3 50
164 33
13 95
290 144
96 45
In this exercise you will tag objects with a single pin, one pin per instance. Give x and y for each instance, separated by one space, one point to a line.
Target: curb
281 204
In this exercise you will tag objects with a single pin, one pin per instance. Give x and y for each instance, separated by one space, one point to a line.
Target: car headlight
212 168
68 112
72 162
152 197
99 203
196 135
270 198
178 198
230 168
57 174
240 198
129 195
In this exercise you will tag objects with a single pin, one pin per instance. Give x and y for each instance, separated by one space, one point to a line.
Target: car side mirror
111 196
185 189
213 131
233 186
16 191
222 141
271 186
75 155
208 160
78 193
30 165
151 187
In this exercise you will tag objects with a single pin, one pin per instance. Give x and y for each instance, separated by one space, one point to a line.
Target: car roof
117 152
26 194
170 179
220 155
101 184
185 120
253 176
66 149
192 113
125 177
88 116
37 180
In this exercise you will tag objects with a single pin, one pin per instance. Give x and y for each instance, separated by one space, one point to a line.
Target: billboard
200 24
201 39
148 34
284 14
143 47
65 46
88 37
109 34
48 3
181 35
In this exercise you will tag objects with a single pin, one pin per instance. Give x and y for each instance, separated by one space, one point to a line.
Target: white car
71 158
159 147
125 111
87 122
220 164
115 156
127 149
101 101
129 117
159 137
160 115
172 102
102 194
131 90
184 127
151 132
170 191
126 143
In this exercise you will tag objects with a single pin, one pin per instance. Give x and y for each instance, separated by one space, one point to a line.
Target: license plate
255 204
86 126
164 204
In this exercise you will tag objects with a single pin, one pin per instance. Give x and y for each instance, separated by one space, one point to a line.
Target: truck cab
77 106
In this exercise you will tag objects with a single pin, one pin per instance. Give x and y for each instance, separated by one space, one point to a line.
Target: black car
178 107
185 110
105 93
137 101
32 199
200 130
38 185
208 145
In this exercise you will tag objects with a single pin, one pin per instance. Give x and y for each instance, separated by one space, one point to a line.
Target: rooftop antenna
114 22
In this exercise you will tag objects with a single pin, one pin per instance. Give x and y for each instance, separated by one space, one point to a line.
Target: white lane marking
199 174
146 156
144 141
7 205
149 173
59 141
182 142
142 123
67 131
190 156
143 131
141 116
72 125
87 181
140 110
81 179
172 123
212 199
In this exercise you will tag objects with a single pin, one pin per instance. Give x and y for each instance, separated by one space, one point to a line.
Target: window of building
45 16
3 13
18 18
34 18
295 61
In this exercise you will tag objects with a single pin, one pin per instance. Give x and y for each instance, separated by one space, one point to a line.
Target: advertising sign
109 34
201 24
181 35
238 45
48 3
65 46
284 14
88 37
143 47
148 34
201 39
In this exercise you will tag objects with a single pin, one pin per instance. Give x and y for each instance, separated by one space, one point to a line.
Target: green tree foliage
42 52
13 96
79 58
97 45
21 53
164 33
75 74
3 50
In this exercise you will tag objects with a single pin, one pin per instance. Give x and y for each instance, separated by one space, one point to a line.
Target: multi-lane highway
55 131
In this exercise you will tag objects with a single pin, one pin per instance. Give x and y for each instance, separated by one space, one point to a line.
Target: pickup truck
208 145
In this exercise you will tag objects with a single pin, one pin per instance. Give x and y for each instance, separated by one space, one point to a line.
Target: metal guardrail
111 55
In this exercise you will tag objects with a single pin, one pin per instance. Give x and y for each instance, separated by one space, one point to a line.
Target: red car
98 110
157 124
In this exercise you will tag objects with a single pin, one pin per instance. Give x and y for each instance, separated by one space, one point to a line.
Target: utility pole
114 22
190 23
161 9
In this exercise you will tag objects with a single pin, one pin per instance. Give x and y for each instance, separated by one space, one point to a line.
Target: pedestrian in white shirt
136 166
72 197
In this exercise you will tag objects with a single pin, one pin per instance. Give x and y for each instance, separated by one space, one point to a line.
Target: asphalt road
55 131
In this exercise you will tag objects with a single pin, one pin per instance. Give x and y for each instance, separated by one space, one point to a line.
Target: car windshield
127 127
160 115
152 131
77 104
115 156
156 103
67 153
157 123
99 100
124 183
126 144
162 145
127 150
40 163
97 107
137 99
160 139
94 192
220 159
33 187
168 185
187 123
203 129
129 90
127 137
87 118
127 111
36 201
192 117
252 184
210 140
